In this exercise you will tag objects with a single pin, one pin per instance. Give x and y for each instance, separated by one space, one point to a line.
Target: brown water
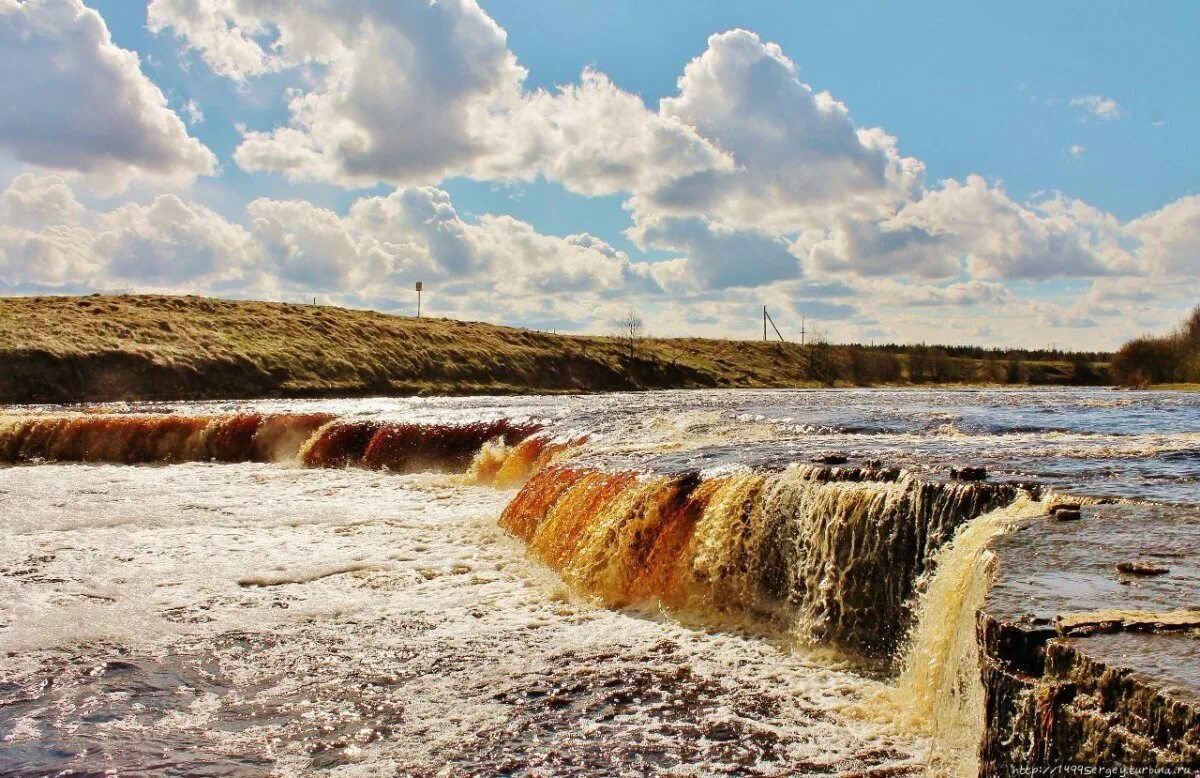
677 589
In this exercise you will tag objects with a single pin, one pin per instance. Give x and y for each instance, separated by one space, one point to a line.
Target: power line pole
802 330
767 318
420 285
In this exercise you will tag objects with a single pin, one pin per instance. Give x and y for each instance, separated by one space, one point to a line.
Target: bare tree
822 363
630 328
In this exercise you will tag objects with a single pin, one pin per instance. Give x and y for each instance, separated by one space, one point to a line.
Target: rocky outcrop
1086 660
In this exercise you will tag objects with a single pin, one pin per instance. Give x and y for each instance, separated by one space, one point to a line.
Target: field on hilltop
142 347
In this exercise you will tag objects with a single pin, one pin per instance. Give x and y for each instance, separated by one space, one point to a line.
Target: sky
1022 174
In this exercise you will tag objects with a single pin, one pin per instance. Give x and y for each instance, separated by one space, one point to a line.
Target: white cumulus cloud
756 184
73 101
47 238
1098 105
799 157
410 93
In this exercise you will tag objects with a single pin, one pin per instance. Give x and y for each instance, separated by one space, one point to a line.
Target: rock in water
1141 568
968 473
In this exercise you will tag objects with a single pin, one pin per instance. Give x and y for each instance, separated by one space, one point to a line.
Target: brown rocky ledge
1084 663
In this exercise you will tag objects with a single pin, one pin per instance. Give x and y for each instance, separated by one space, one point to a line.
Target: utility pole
420 285
767 318
802 330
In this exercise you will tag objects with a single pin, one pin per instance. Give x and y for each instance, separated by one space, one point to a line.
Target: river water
266 617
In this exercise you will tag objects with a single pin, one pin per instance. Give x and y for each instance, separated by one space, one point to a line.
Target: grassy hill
76 349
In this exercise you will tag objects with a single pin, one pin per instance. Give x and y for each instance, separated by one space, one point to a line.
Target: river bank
150 347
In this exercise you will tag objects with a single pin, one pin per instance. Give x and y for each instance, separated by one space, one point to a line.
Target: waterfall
313 439
879 563
140 438
850 557
939 690
831 554
505 465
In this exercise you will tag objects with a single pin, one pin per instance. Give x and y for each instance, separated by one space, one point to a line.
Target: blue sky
968 88
1076 120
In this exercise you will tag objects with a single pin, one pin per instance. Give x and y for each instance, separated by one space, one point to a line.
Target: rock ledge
1085 664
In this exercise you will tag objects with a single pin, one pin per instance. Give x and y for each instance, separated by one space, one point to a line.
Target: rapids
772 583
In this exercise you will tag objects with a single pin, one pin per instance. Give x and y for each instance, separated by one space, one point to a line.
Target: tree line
922 364
1173 358
832 364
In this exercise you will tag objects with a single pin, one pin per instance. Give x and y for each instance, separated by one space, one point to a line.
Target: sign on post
420 286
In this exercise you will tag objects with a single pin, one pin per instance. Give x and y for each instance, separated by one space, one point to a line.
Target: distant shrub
1082 371
1145 361
1173 358
920 364
874 367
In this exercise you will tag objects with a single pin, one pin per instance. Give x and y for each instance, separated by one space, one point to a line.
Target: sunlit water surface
212 619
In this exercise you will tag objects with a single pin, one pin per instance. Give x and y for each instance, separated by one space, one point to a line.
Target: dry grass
147 346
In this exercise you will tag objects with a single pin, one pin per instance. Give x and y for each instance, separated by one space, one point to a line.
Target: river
689 583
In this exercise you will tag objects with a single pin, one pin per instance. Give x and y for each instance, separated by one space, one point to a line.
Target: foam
435 644
256 618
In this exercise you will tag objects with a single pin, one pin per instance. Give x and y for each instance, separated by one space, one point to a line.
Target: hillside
76 349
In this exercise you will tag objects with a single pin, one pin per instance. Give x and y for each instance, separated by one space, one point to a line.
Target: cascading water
939 689
827 554
313 439
339 609
832 554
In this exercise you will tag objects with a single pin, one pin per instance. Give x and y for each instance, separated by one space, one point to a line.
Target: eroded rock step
1090 651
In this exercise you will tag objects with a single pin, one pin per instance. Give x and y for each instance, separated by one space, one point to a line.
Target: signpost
420 286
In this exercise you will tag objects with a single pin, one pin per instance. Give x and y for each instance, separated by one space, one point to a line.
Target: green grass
62 349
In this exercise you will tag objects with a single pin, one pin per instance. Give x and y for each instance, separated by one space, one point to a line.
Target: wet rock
1075 676
1083 624
1070 513
1141 568
832 459
969 473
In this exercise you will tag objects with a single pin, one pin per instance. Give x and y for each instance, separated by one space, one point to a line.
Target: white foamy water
252 619
231 619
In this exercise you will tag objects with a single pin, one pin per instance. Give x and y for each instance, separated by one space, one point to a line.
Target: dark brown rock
970 473
1141 568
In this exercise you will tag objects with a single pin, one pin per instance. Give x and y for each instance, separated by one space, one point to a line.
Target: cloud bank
756 185
72 101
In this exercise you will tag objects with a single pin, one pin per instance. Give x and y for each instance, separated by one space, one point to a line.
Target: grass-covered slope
77 349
